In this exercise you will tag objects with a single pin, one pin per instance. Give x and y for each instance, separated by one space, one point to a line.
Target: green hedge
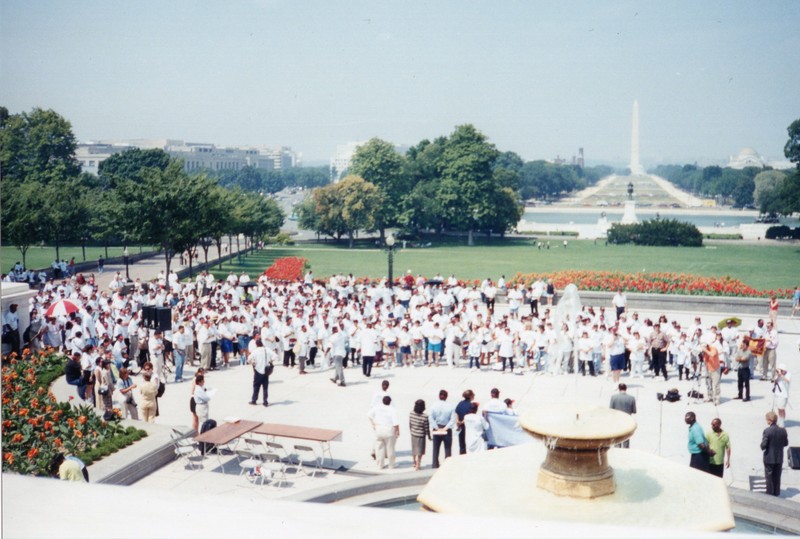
657 232
782 232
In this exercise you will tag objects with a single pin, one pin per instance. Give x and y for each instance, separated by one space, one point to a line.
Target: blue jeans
180 357
476 361
244 341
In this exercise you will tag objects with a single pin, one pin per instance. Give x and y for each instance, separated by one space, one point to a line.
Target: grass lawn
762 267
42 257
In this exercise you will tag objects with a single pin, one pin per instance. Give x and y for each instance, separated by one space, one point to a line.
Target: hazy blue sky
538 78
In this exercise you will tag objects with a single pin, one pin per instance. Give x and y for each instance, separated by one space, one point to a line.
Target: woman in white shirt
636 345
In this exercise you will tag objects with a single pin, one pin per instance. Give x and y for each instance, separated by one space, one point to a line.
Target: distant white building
343 158
195 156
747 157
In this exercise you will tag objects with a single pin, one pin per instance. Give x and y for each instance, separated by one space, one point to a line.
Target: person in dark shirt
462 409
73 371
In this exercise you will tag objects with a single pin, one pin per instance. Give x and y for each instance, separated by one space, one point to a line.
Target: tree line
771 191
461 182
139 196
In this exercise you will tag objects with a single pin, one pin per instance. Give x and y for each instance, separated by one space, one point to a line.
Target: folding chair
249 463
185 448
275 466
275 447
306 456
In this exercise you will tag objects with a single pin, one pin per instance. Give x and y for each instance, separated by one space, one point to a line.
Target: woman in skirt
420 429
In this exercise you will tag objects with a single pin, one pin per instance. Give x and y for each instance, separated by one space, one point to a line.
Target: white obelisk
636 167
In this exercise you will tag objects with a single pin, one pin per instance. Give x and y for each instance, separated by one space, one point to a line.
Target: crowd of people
344 323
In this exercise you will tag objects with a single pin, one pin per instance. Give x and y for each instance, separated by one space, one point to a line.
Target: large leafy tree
361 203
23 216
378 163
37 145
130 164
767 191
467 176
792 148
160 210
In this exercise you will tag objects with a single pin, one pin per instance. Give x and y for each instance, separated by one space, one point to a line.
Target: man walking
720 444
338 349
260 361
773 441
443 418
624 403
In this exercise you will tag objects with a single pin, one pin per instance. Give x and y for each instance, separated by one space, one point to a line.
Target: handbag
269 369
103 390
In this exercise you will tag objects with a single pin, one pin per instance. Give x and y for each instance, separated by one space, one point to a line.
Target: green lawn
762 267
42 257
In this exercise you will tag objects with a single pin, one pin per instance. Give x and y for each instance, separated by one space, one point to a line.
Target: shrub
782 232
280 239
657 232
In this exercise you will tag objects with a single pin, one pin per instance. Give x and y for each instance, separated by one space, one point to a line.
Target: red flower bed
289 268
653 283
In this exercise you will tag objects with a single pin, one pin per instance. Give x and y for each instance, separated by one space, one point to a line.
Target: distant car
602 203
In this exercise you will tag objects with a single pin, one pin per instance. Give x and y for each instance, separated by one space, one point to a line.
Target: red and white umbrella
62 307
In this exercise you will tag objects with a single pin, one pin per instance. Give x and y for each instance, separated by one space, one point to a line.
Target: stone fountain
576 475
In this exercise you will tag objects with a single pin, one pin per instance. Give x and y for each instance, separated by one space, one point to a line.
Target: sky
538 78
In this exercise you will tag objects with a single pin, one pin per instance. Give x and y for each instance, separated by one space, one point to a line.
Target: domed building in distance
747 157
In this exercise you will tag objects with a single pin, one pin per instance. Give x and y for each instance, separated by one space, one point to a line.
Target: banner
504 430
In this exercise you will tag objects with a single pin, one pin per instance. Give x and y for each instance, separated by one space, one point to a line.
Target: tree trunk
191 256
105 246
219 252
24 251
470 242
205 252
58 244
168 259
350 236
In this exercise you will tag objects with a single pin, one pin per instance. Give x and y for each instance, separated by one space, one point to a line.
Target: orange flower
57 442
32 453
7 424
17 438
71 422
77 433
34 402
23 412
9 458
82 419
48 425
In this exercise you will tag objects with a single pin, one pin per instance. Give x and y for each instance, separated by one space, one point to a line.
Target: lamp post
125 253
390 248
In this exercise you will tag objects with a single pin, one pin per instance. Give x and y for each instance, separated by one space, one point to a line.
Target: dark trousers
288 355
353 357
659 363
12 338
582 366
312 353
772 473
510 363
699 461
447 440
462 441
716 469
260 381
366 366
535 307
744 381
214 355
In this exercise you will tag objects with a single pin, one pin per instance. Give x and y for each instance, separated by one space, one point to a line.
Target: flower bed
36 426
289 268
652 283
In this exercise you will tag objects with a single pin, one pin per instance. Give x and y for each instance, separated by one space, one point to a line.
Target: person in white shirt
179 343
201 399
369 347
386 425
338 349
262 361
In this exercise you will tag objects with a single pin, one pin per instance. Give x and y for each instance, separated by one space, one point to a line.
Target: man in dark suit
772 443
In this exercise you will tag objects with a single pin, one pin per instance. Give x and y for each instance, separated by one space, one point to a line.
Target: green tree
168 198
67 205
23 216
792 148
767 191
743 192
37 145
467 175
130 164
361 203
378 163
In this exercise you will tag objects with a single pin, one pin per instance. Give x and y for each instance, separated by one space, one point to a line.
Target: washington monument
635 166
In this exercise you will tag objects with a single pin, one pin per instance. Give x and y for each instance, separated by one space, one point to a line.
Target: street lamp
125 253
390 245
